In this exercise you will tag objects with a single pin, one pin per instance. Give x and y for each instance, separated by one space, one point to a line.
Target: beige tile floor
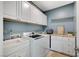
55 54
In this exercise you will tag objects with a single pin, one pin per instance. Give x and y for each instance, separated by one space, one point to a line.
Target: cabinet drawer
13 55
12 49
21 52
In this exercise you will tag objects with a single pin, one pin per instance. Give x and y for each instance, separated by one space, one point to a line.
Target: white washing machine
39 47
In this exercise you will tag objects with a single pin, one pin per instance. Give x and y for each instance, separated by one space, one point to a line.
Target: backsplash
15 27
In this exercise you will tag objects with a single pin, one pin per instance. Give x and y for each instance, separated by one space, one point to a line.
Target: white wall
1 28
77 17
77 23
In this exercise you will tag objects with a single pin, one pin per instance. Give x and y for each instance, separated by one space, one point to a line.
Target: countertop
15 42
44 34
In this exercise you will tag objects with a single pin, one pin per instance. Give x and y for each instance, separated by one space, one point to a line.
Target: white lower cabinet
71 44
19 50
53 43
60 44
63 44
39 47
23 52
13 55
45 45
45 42
27 48
36 50
56 43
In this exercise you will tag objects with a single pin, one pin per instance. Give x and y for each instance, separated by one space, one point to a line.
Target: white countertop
14 42
59 35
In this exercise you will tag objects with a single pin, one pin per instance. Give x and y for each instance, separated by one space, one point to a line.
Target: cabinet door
13 55
23 52
10 9
55 43
38 48
45 42
20 50
37 16
43 47
34 14
71 46
19 11
53 39
39 20
44 19
59 44
25 11
65 45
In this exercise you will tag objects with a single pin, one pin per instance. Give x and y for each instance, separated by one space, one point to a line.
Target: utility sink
35 36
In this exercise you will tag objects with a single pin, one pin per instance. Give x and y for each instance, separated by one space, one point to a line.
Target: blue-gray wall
15 27
62 16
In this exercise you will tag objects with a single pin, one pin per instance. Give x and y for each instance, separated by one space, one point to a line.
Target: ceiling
48 5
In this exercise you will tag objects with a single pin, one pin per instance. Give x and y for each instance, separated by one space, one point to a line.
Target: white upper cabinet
34 14
10 9
37 16
25 11
44 19
19 10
